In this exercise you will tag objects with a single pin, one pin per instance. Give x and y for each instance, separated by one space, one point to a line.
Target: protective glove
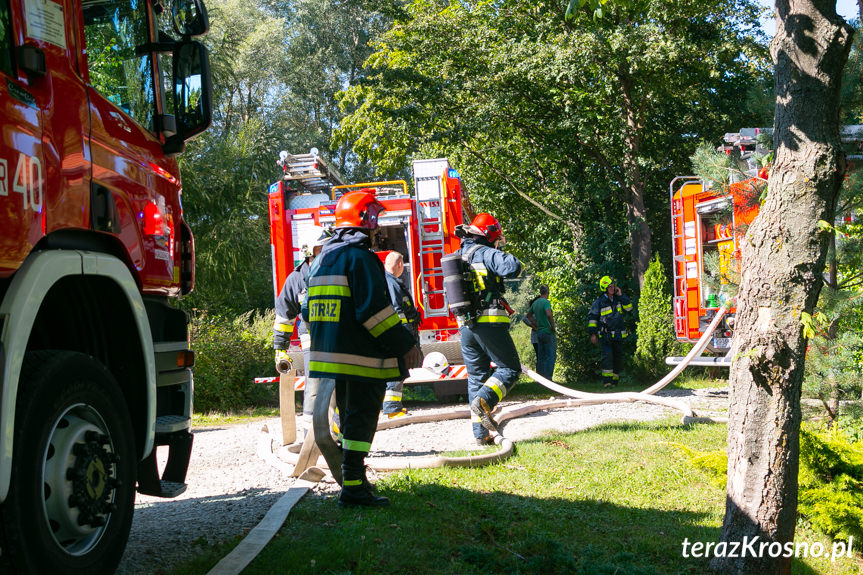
283 361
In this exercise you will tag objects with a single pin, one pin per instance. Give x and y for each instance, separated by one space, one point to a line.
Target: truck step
172 423
172 481
164 488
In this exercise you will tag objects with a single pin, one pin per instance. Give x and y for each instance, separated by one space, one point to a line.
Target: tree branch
576 231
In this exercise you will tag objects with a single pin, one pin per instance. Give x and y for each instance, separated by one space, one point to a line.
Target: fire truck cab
418 223
96 99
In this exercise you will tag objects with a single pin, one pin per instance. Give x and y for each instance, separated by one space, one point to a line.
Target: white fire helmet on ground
436 362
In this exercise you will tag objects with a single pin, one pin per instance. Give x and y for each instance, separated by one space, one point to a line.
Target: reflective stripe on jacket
606 315
355 332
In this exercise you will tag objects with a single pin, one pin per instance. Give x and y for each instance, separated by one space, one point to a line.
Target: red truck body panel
702 223
92 241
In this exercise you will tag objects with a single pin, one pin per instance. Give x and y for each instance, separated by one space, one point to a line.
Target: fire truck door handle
31 59
418 292
103 210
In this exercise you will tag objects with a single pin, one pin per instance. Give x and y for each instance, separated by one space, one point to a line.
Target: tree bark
783 257
636 214
832 334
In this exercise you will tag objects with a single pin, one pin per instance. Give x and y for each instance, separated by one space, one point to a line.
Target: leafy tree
227 211
226 170
276 68
327 42
563 122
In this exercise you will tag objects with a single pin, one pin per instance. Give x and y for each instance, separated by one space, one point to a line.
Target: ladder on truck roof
309 172
429 208
746 140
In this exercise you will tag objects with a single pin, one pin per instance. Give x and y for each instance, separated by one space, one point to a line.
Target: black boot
359 490
359 495
480 408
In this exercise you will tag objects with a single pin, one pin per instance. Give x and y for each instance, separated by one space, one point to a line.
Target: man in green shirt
542 321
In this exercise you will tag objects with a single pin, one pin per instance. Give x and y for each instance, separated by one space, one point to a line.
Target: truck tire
72 493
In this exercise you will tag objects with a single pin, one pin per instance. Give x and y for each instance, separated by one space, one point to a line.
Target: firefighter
394 265
485 333
356 336
606 326
287 309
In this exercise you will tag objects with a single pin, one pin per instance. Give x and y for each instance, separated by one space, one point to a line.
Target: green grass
619 498
244 416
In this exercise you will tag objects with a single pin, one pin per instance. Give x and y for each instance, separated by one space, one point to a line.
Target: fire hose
332 453
243 554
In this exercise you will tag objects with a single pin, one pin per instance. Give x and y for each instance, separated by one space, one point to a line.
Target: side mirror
190 18
193 93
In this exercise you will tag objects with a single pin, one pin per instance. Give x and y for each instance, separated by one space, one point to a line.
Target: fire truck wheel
72 493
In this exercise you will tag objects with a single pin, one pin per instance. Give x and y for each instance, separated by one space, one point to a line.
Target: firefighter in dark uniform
408 314
605 325
485 336
356 335
287 310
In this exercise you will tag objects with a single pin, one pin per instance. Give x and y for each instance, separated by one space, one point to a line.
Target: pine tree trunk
832 334
783 257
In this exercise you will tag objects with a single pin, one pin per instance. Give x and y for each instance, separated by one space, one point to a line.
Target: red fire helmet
486 225
358 209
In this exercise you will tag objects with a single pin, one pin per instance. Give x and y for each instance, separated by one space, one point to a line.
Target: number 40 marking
27 181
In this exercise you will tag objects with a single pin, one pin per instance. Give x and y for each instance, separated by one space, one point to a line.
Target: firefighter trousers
393 397
310 392
359 405
482 344
612 359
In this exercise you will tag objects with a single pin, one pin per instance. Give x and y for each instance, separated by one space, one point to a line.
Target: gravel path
231 487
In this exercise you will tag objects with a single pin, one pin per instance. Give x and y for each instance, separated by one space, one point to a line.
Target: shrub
655 331
830 479
229 354
715 463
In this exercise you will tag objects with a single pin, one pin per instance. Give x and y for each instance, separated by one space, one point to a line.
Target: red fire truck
419 224
96 100
706 226
707 223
